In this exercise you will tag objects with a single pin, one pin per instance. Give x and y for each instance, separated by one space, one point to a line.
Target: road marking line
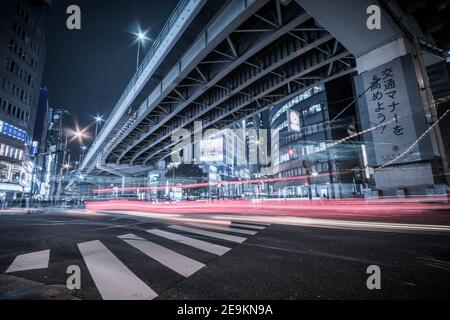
113 279
211 234
247 226
171 259
252 222
199 244
209 226
30 261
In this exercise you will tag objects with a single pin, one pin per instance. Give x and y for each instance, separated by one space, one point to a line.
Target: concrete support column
396 113
406 149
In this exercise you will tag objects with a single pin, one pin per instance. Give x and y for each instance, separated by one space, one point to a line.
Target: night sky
86 70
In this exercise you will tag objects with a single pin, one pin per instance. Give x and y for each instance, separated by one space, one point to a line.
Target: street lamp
140 38
98 121
79 134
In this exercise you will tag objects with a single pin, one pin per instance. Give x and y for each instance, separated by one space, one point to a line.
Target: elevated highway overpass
250 55
222 61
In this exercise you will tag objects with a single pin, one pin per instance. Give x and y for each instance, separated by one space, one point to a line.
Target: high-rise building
55 146
313 154
257 133
39 150
22 54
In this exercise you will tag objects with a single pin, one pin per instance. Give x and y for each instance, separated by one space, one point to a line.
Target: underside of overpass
275 52
246 57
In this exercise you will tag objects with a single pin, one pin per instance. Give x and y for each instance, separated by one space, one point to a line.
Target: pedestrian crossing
211 234
221 228
167 246
30 261
113 279
177 262
199 244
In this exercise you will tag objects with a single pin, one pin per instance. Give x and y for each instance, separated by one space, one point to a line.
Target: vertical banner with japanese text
392 112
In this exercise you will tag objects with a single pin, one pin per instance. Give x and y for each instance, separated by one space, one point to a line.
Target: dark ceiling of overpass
433 18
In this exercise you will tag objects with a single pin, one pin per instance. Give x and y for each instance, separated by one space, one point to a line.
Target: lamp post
140 38
98 121
61 169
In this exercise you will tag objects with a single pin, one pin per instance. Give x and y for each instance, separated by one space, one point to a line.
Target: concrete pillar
397 112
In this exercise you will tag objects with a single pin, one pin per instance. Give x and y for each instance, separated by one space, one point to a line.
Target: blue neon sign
12 131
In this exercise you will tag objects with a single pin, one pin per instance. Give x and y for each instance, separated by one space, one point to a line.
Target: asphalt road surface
127 256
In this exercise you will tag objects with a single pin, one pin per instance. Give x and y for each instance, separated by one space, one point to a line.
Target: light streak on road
350 213
345 224
282 206
222 183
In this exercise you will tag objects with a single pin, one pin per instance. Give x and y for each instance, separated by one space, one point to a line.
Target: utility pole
32 177
61 169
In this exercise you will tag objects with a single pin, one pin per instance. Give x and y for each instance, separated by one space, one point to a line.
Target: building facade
311 152
223 158
22 54
54 145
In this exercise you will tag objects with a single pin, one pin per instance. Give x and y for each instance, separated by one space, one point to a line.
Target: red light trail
207 184
387 209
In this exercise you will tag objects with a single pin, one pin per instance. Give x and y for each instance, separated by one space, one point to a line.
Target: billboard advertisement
293 120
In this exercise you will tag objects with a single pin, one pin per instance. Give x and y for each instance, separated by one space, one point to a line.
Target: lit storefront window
11 152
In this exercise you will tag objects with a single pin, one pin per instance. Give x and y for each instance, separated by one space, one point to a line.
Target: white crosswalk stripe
171 259
222 228
266 224
30 261
113 279
210 234
248 226
199 244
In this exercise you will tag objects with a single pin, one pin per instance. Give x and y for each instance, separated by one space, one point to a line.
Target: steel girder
241 109
257 65
241 80
314 66
237 12
247 77
210 73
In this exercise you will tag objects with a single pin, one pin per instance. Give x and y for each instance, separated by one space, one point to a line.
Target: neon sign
12 131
